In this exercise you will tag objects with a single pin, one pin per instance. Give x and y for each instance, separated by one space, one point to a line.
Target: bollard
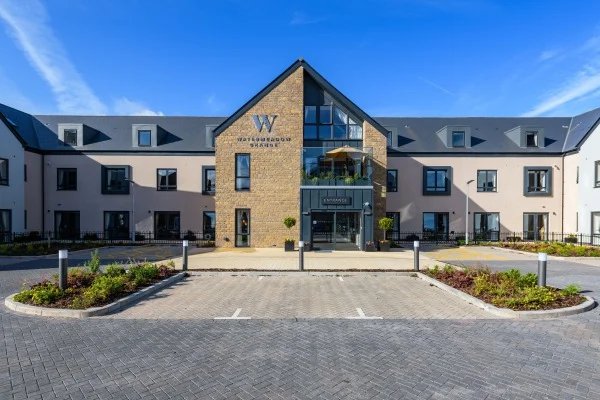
185 254
63 266
301 253
416 253
542 262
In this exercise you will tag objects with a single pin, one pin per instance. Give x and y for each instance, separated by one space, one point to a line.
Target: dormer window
531 139
144 138
70 137
458 138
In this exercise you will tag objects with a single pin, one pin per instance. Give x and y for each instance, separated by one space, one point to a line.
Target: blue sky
393 58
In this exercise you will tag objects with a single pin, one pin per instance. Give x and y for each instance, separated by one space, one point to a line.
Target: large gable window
330 122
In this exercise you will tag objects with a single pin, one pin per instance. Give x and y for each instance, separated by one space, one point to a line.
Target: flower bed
508 289
552 248
41 249
87 288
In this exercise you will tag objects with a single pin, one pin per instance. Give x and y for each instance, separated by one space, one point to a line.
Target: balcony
336 166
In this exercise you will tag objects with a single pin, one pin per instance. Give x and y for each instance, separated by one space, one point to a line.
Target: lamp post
132 222
467 213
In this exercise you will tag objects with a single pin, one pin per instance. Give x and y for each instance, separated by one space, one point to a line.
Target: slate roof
418 135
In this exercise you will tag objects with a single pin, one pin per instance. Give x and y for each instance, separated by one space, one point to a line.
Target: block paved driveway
127 358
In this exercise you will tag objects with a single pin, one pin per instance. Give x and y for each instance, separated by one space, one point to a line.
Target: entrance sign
336 201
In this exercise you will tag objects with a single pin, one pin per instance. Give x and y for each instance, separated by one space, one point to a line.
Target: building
298 148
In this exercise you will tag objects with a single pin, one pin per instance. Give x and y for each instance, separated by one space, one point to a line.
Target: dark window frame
144 131
526 188
487 189
76 232
25 172
249 234
395 231
171 234
115 235
464 139
65 187
205 169
210 232
70 131
168 187
330 124
448 186
6 236
6 181
387 181
435 217
105 188
536 137
242 189
596 174
486 236
535 236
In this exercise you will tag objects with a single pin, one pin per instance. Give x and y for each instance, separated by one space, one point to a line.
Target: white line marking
235 315
341 279
361 315
260 278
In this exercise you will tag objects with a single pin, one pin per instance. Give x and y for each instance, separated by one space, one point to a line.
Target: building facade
299 148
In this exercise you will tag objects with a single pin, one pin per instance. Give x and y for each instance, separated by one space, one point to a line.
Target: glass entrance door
336 230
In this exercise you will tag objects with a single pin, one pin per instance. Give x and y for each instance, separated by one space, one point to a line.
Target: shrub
80 278
102 290
571 290
385 224
142 275
114 270
41 294
94 263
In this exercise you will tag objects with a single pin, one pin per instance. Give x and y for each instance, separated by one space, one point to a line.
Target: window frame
109 236
167 187
596 174
235 182
486 214
464 139
169 236
144 131
484 188
70 131
526 187
5 182
237 233
395 231
77 231
104 180
535 135
205 169
448 188
212 231
6 236
325 130
435 233
65 187
395 188
537 215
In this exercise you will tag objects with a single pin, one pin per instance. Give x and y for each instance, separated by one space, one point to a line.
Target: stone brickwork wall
275 172
377 141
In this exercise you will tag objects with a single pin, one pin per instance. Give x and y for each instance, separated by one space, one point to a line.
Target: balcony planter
289 245
370 246
385 245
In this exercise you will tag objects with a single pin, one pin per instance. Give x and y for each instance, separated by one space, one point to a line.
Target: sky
392 58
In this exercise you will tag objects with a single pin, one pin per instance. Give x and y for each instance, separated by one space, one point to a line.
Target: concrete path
277 259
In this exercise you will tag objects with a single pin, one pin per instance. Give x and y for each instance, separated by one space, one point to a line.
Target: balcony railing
336 166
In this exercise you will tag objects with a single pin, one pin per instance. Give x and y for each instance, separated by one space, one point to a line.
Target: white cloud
124 106
435 85
28 24
548 55
301 18
584 82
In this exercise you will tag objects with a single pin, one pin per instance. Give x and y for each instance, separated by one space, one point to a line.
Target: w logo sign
264 120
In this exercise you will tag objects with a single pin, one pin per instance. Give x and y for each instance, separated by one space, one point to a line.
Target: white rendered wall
12 197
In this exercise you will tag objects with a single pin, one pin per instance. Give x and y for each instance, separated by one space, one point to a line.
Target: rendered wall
12 197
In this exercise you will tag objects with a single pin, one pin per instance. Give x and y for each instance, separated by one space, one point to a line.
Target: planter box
385 245
289 246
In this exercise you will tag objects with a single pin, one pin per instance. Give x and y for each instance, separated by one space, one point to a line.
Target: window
486 226
392 180
116 225
144 138
3 172
66 224
210 136
394 233
436 180
596 228
458 138
435 225
70 137
209 179
531 138
166 179
596 174
66 179
388 137
538 181
166 224
328 122
535 226
242 227
208 225
5 226
25 172
242 172
487 180
115 180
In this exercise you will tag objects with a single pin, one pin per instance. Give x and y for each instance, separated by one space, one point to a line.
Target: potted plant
370 246
289 223
385 224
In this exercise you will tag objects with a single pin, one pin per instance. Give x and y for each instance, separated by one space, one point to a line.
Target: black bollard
63 266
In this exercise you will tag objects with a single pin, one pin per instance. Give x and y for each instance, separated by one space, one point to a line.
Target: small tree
289 223
385 224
